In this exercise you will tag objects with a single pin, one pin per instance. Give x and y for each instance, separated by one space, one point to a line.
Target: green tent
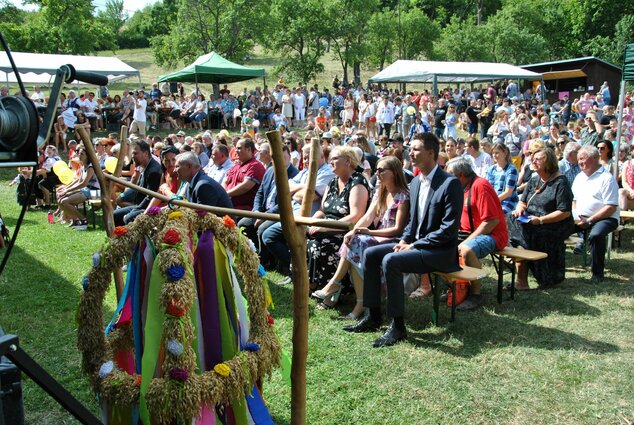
213 68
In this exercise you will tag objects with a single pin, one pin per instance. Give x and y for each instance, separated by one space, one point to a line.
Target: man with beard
150 179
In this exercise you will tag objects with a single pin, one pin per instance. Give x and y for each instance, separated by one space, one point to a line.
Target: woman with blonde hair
383 222
345 199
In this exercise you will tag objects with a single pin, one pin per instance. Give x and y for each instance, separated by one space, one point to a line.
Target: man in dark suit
429 242
150 179
202 188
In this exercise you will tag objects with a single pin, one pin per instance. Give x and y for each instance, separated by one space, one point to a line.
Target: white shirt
385 113
299 101
423 192
139 113
90 107
37 97
481 164
594 192
218 172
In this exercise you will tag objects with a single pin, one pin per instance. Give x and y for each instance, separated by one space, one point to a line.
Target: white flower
106 369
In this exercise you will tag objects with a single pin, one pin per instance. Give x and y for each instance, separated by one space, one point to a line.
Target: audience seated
76 193
595 206
346 199
429 242
383 222
149 178
202 189
482 224
542 221
273 237
244 178
503 177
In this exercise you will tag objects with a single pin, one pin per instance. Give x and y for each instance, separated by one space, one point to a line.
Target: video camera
21 134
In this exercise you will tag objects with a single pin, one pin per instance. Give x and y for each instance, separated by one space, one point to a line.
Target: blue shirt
569 170
501 179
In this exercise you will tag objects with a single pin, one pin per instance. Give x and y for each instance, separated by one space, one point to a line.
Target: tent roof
408 71
41 67
213 68
582 59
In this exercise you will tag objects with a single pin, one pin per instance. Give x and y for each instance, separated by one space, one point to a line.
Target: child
246 125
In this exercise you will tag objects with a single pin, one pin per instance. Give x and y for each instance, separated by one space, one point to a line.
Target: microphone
84 76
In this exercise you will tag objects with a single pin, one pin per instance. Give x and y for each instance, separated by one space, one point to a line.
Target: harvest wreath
175 388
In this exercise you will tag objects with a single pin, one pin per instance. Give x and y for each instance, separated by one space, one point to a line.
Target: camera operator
140 106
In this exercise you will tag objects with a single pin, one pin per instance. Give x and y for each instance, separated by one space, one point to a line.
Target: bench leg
436 303
94 219
513 269
453 300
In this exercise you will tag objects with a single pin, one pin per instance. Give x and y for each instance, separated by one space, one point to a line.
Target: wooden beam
308 221
295 235
106 203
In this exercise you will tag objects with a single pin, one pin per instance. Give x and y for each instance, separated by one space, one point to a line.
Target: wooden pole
295 235
308 221
106 204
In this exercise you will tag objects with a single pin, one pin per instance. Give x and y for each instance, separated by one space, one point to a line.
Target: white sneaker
285 281
80 225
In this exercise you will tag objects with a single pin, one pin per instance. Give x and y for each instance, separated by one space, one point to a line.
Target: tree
227 27
418 34
145 24
347 30
463 41
65 26
299 32
612 49
381 39
114 15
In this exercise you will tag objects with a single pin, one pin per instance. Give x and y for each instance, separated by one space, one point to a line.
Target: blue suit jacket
438 234
205 190
268 187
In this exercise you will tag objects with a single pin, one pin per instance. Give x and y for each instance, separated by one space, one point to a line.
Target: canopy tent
408 71
40 67
213 68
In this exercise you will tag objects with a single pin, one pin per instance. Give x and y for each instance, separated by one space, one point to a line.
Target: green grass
561 356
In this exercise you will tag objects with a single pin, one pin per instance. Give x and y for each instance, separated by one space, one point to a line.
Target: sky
130 5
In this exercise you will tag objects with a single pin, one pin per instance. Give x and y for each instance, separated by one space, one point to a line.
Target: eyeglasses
602 148
561 143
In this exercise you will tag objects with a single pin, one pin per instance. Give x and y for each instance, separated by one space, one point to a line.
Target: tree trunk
357 72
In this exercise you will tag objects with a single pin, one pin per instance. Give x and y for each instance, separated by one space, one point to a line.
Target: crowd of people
421 197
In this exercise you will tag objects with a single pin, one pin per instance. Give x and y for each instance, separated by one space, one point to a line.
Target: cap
72 141
327 135
181 133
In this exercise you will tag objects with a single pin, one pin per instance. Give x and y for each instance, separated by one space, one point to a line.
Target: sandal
419 293
323 306
507 287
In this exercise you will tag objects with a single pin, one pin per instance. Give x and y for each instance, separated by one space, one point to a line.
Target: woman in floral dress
346 199
384 222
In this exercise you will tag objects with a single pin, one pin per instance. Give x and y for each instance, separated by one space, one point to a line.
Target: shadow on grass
508 324
477 336
39 302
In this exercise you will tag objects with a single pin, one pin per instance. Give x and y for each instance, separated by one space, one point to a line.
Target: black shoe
390 337
596 278
443 297
471 303
367 324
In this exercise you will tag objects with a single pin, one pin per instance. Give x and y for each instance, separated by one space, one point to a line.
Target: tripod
10 347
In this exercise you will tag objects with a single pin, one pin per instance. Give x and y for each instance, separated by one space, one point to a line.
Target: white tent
408 71
40 67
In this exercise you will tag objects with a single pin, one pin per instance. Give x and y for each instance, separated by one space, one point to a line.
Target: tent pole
619 128
263 83
435 86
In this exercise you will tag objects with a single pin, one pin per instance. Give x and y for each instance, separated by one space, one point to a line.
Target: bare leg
357 283
522 275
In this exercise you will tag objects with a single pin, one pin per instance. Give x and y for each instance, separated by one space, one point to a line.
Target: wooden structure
506 259
466 273
577 76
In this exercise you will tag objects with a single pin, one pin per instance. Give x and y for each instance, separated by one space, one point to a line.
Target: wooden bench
627 214
467 273
95 204
507 258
